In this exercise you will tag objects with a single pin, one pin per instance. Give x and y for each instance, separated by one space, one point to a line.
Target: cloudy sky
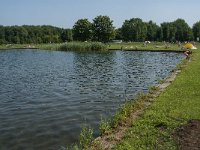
64 13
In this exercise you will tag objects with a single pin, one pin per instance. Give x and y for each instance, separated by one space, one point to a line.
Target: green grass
86 137
92 46
174 107
16 46
70 46
75 46
141 46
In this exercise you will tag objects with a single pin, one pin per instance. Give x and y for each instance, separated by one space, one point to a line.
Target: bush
86 137
76 46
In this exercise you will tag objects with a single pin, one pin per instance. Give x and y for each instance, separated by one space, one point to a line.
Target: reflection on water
45 96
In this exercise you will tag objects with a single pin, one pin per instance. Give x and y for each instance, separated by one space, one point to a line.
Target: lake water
46 96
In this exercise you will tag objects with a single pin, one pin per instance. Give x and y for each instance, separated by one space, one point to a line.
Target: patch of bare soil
188 135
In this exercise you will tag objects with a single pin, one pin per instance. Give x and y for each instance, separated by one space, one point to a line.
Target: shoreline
16 48
118 133
96 46
150 50
146 105
160 114
139 50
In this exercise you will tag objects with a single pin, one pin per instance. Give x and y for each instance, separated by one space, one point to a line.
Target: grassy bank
70 46
180 102
92 46
142 46
151 122
75 46
17 46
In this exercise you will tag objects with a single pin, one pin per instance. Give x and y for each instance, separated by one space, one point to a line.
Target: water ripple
46 96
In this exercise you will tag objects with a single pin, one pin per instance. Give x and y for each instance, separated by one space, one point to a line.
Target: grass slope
174 107
87 46
141 46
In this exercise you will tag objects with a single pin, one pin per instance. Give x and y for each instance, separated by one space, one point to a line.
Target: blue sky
64 13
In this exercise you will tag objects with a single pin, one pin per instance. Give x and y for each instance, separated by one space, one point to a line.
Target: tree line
102 30
32 34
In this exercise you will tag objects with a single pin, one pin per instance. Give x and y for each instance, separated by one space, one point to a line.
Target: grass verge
174 107
153 46
92 46
70 46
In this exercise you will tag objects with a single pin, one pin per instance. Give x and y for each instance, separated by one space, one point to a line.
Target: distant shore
88 46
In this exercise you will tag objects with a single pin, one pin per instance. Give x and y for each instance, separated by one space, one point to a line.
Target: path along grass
179 103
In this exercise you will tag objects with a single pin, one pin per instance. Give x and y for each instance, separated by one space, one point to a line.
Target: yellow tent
189 46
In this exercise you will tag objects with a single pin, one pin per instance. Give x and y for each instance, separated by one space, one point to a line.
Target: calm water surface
46 96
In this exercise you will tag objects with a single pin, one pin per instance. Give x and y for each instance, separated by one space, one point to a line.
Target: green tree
169 31
102 29
196 30
183 31
152 30
9 34
66 35
82 30
2 35
134 30
165 31
118 34
159 35
22 35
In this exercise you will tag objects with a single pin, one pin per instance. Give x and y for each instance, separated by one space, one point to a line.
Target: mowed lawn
142 46
179 103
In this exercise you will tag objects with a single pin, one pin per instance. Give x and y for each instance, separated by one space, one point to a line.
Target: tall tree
159 35
30 34
2 35
169 31
82 30
9 34
66 35
118 34
196 30
103 29
183 31
152 30
22 34
134 30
